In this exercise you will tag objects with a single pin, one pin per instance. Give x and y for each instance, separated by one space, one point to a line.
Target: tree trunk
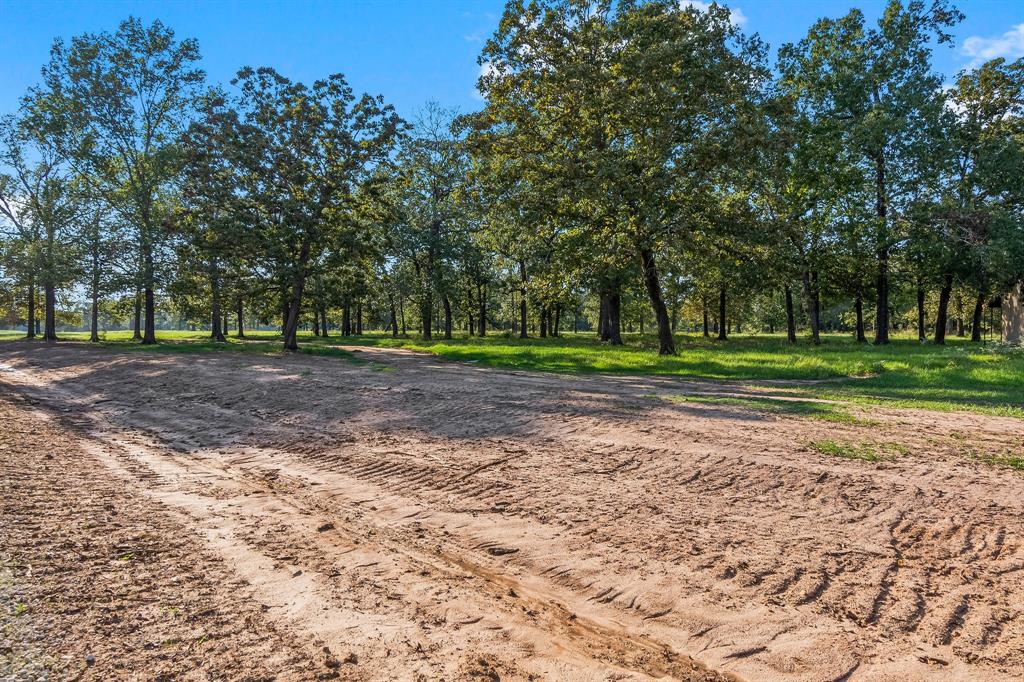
94 322
239 312
291 328
447 317
543 322
50 312
704 310
149 327
979 305
614 321
790 317
943 317
394 319
666 344
482 317
558 320
722 333
94 294
882 244
858 306
401 309
217 332
346 319
359 318
602 318
922 333
428 311
522 300
813 305
31 321
137 332
323 321
522 314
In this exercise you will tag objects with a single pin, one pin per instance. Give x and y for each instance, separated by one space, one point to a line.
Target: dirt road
409 518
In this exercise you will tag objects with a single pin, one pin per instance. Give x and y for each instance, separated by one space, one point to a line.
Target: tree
302 158
432 228
979 221
625 109
115 104
39 200
210 219
876 90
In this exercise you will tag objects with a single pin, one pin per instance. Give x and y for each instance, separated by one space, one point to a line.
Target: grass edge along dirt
864 451
904 374
809 409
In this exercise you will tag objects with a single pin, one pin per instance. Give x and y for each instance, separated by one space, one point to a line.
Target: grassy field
960 375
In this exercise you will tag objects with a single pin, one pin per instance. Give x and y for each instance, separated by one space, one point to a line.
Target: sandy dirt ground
251 517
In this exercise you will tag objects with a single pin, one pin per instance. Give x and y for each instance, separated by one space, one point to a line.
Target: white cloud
736 15
1009 45
486 69
951 103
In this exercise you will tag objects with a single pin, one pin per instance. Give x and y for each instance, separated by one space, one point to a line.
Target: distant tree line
637 166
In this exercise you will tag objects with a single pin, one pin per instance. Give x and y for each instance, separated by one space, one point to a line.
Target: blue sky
408 51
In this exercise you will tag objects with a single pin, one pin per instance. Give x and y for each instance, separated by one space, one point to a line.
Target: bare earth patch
228 516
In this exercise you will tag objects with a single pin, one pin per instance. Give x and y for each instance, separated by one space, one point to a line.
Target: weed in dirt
868 452
830 412
1011 458
1010 461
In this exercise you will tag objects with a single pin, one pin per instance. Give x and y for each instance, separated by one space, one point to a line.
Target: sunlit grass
822 411
905 373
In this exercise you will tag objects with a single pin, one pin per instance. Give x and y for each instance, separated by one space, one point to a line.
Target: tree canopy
636 165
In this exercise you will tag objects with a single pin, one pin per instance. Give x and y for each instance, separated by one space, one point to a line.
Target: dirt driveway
242 516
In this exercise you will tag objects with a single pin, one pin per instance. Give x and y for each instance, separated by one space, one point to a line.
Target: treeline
636 166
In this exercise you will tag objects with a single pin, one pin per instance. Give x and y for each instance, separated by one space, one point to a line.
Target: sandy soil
234 516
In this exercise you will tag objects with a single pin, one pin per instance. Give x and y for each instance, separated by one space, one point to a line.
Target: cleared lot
420 517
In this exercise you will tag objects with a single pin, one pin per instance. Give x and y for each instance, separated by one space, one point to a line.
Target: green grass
959 376
1011 457
1011 461
868 452
829 412
904 374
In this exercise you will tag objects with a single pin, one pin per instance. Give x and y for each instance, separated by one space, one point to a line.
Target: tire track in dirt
258 519
96 583
712 531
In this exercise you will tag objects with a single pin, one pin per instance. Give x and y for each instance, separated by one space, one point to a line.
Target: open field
386 515
959 376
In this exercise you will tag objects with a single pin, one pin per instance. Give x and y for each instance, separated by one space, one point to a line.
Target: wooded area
636 166
682 356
